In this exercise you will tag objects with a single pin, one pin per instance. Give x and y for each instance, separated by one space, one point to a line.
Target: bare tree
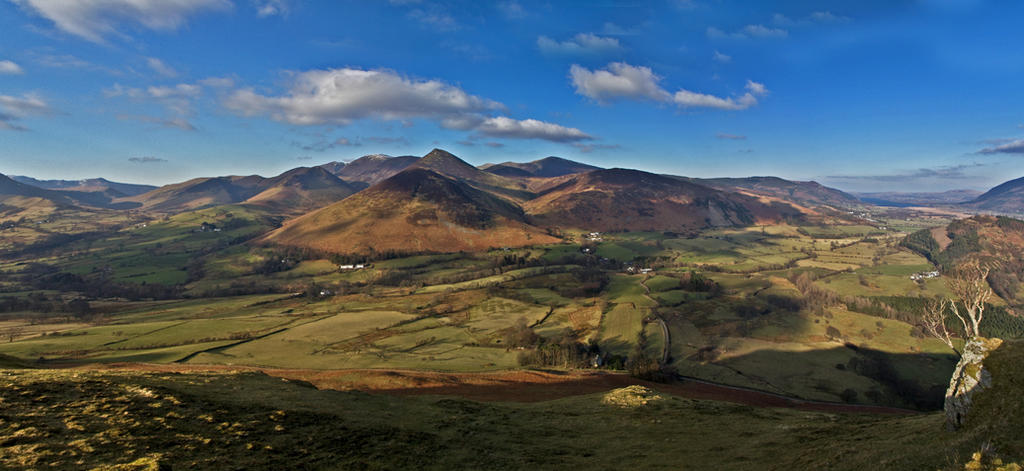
969 285
934 321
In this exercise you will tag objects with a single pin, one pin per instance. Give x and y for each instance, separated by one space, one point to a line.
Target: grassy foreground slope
87 419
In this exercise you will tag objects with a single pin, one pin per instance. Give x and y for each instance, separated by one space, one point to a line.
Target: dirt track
510 386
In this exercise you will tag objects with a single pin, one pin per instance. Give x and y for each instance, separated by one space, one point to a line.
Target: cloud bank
96 19
342 96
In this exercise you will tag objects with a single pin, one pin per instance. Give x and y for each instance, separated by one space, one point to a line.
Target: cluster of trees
101 286
241 288
588 281
41 303
964 242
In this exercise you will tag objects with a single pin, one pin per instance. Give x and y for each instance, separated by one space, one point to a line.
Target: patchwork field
724 305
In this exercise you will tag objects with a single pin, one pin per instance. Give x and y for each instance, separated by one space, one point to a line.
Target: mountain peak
440 154
446 163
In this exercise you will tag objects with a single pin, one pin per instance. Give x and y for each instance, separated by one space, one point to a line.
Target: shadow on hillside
905 380
897 382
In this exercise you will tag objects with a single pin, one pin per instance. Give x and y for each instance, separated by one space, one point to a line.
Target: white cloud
67 61
160 67
583 43
618 80
181 90
1011 147
613 29
217 82
434 19
13 109
587 148
10 68
512 10
265 8
715 33
146 160
731 137
179 100
177 123
816 17
756 88
339 96
688 99
782 20
623 81
96 19
748 31
719 57
530 129
761 31
828 17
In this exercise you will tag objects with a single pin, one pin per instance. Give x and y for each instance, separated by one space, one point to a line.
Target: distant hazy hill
97 192
918 199
10 189
370 169
87 185
804 193
620 199
200 193
546 167
295 190
1007 198
415 210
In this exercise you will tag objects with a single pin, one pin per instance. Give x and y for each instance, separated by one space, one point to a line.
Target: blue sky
863 96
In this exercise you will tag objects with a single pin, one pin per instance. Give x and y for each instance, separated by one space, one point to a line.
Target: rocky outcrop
969 378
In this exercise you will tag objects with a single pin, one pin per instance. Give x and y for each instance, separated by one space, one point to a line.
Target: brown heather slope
301 190
620 199
417 210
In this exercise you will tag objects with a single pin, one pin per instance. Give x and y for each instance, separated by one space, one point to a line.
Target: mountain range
439 202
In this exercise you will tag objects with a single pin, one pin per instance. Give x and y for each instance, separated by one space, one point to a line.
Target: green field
454 312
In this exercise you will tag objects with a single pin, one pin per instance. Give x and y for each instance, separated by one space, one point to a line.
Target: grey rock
969 378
